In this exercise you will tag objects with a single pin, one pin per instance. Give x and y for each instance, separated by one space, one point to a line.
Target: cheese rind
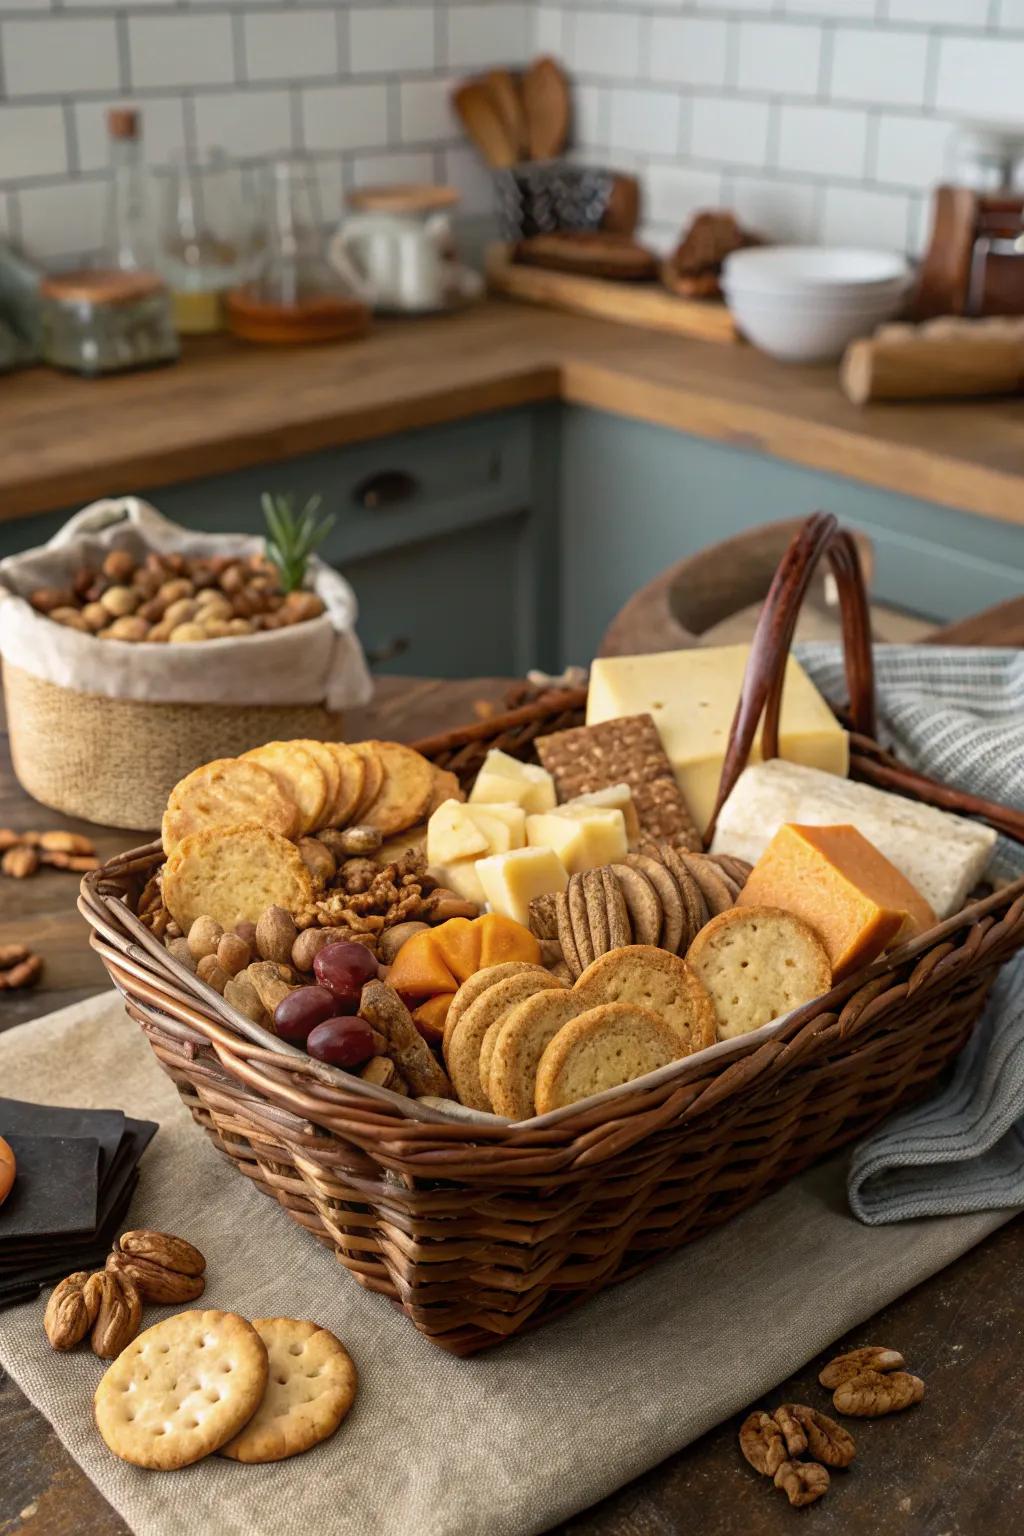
692 697
942 855
583 841
505 778
856 901
511 880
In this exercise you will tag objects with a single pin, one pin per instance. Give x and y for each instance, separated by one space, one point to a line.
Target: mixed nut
23 853
107 1305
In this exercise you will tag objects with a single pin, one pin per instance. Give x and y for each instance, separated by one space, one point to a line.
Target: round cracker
324 758
579 917
734 868
468 1035
406 791
711 880
695 908
446 787
473 986
758 963
311 1385
299 775
374 776
652 978
233 874
523 1035
224 793
602 1048
642 903
181 1389
566 937
672 913
351 768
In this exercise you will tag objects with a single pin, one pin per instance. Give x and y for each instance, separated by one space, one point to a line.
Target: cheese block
692 697
512 818
582 841
616 797
461 877
458 831
849 893
511 880
943 856
504 778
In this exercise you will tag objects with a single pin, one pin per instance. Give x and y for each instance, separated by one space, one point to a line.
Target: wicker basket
478 1231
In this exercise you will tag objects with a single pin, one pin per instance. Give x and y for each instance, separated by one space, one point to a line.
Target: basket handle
761 694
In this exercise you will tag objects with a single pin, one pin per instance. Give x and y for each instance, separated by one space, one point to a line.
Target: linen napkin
503 1443
958 715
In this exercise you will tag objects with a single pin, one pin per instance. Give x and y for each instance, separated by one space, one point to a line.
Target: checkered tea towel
957 715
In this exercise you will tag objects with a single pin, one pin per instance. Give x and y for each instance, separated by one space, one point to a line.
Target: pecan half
70 1311
792 1430
119 1311
802 1481
165 1286
163 1248
873 1357
762 1444
872 1394
827 1441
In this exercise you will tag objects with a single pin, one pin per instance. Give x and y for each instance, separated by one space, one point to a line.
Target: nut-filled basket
478 1230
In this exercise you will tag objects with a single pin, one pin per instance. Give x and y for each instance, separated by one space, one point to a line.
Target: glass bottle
131 246
201 250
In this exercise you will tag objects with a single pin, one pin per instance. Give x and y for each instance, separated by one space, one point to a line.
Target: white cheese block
617 797
692 697
583 841
512 819
461 877
505 778
943 855
452 833
511 880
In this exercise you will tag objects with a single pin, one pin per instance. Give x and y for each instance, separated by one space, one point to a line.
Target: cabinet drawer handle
388 651
389 488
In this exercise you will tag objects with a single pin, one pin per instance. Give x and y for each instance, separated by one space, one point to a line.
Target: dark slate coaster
24 1119
56 1186
88 1254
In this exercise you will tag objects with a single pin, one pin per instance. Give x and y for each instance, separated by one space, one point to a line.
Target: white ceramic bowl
825 271
800 330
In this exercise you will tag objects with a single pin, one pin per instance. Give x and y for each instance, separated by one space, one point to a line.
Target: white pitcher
404 257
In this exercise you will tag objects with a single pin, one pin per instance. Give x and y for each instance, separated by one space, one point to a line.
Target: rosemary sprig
292 536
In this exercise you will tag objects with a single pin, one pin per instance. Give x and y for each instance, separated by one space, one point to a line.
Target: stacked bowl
804 303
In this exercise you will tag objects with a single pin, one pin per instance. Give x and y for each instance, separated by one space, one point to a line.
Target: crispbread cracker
224 793
580 920
311 1385
467 1037
233 874
713 884
523 1034
566 936
299 775
695 908
652 978
642 903
181 1389
736 869
473 986
602 1047
758 963
673 913
351 771
374 776
624 751
406 791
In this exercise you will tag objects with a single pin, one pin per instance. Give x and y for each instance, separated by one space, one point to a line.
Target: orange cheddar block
839 883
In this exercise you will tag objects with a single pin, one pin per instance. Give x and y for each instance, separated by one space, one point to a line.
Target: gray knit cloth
957 715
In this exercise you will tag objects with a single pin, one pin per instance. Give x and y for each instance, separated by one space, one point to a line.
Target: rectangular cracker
624 751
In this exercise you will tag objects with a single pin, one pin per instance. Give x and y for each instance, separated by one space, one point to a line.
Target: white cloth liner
318 662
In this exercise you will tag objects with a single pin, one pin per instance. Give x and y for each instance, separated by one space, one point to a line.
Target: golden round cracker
299 775
652 978
351 768
181 1389
406 791
224 793
473 986
523 1035
321 752
601 1048
311 1385
467 1036
233 874
757 964
374 776
446 787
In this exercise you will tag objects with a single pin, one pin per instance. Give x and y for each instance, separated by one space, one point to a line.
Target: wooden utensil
546 103
475 105
622 215
944 358
505 94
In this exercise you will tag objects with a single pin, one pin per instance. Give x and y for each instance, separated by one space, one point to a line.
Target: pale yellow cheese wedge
511 816
503 778
452 833
617 797
462 878
582 841
511 880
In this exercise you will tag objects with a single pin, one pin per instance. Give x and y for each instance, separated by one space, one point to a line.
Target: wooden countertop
227 406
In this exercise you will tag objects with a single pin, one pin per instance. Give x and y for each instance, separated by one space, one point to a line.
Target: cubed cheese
512 816
617 797
583 841
453 833
692 697
505 778
942 855
511 880
461 877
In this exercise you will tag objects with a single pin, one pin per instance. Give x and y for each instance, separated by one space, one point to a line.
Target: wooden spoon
546 103
481 119
504 89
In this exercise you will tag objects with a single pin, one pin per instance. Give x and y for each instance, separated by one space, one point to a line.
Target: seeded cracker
626 751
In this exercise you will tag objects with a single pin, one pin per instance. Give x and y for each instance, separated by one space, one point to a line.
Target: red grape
344 968
343 1042
296 1014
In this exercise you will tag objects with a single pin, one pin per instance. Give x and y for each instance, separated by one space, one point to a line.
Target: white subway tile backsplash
464 170
245 123
388 39
605 43
344 116
675 193
879 65
62 222
1011 15
778 210
912 151
180 50
980 76
163 129
51 55
488 34
688 50
290 45
823 140
729 129
425 111
962 14
732 5
857 216
780 57
32 142
829 9
644 120
591 115
549 30
389 166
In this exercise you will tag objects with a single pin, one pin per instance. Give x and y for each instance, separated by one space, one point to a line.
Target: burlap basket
105 729
477 1228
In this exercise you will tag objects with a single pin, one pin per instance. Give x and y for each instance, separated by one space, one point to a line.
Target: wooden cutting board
644 304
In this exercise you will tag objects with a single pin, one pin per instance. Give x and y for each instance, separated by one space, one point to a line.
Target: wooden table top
227 406
949 1466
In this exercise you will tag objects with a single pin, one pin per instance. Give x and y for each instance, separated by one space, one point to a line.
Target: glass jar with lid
105 321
